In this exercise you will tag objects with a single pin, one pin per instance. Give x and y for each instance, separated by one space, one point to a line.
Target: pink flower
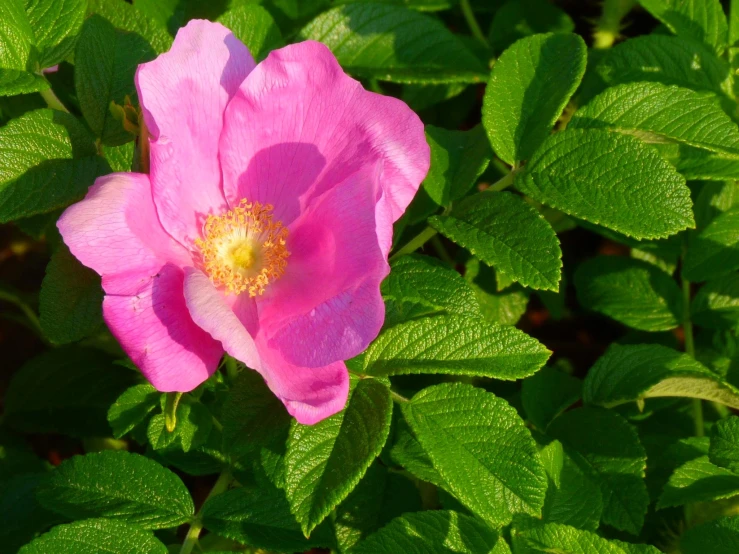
265 224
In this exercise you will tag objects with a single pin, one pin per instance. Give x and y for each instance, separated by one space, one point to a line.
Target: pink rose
264 227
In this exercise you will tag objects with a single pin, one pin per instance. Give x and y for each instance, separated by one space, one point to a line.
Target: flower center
243 249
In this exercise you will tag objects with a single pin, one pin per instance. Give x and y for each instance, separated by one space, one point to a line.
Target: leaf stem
191 539
504 182
474 26
398 397
415 243
52 100
441 251
690 349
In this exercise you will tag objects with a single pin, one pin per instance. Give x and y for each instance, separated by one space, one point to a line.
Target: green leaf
324 462
16 37
717 303
517 19
481 448
20 512
505 232
120 157
698 481
713 199
694 163
254 26
17 81
417 279
67 390
664 59
433 531
630 291
71 299
720 536
206 459
701 20
455 345
656 113
409 453
505 307
715 250
724 449
47 161
258 517
547 394
564 539
600 177
392 43
255 424
117 485
572 498
56 23
126 17
93 536
194 423
105 63
17 458
607 449
632 373
379 497
132 408
529 87
458 158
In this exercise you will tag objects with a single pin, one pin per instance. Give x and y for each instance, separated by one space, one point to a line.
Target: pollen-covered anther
243 249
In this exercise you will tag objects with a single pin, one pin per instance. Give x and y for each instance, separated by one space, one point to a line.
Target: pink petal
155 329
115 231
184 93
214 313
309 394
299 125
327 306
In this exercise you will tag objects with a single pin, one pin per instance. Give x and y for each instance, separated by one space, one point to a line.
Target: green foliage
254 26
636 372
105 63
455 345
47 161
701 20
481 449
93 536
574 172
505 232
630 291
324 462
65 391
395 44
258 517
607 449
567 182
720 536
117 485
529 87
70 299
423 532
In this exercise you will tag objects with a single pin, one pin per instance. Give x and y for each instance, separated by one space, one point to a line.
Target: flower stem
170 410
415 243
52 100
474 26
191 539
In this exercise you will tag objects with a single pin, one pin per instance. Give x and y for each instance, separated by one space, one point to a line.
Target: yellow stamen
243 249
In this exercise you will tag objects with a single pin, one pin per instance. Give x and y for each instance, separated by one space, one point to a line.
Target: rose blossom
264 226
